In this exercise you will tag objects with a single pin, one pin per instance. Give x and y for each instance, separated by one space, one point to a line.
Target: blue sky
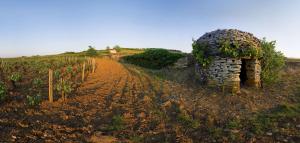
31 27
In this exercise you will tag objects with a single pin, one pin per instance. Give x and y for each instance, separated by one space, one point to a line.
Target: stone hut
233 57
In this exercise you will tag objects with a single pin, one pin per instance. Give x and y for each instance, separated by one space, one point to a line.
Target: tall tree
92 52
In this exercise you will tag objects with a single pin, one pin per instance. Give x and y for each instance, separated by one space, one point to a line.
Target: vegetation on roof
230 43
204 54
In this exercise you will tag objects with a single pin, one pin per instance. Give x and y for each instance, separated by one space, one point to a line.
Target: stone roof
215 38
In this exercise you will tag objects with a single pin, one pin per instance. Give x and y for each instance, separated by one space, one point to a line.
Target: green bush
64 86
57 74
91 52
70 71
117 48
272 62
187 121
117 123
201 53
215 132
154 58
34 100
15 77
37 83
2 91
233 124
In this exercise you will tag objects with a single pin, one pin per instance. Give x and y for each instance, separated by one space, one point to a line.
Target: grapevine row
30 78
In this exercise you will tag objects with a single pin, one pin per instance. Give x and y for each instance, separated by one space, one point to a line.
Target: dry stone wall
224 72
253 72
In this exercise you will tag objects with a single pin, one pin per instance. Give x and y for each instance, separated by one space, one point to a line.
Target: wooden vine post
94 64
50 85
88 64
83 68
62 89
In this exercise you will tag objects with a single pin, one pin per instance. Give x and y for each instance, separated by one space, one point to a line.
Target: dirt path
114 92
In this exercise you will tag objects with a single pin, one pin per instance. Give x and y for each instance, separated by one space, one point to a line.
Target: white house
112 51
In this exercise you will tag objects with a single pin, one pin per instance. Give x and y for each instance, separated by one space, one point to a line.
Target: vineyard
29 77
149 71
120 102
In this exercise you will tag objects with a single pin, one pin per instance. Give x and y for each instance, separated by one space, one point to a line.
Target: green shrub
65 86
272 62
233 124
117 123
215 132
117 48
201 53
91 52
2 91
57 74
15 77
34 100
187 121
37 83
154 58
70 71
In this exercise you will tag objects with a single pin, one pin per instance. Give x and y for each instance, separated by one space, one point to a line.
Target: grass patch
263 122
233 124
117 123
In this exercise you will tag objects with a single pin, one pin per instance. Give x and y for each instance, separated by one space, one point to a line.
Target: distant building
112 51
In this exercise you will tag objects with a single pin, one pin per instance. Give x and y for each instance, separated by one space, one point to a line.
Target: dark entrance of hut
243 74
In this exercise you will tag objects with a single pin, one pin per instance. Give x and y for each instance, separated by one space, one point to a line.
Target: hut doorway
243 74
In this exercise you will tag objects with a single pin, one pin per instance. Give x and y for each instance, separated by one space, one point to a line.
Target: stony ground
124 103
